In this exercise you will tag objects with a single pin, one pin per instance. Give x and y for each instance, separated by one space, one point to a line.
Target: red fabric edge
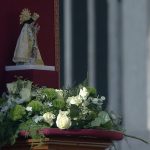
97 133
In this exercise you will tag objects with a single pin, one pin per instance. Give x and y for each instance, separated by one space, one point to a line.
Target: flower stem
138 138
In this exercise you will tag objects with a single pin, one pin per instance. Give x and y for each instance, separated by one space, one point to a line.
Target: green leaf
103 118
92 91
108 125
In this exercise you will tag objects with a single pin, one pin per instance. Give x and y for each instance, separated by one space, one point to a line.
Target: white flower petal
84 93
48 117
63 121
29 108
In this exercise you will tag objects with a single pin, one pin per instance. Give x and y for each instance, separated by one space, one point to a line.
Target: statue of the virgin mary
27 51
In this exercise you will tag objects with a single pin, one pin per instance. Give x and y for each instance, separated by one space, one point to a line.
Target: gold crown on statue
26 15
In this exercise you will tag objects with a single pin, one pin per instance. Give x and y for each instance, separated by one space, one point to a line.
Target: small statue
27 51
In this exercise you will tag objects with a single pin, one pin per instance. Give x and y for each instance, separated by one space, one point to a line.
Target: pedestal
82 139
40 75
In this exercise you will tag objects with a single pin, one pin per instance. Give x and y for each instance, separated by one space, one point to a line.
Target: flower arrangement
25 106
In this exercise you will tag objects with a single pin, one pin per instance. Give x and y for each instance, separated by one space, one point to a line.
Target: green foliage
93 107
31 127
108 125
91 116
59 103
49 94
36 105
74 111
92 91
17 112
102 119
2 101
8 132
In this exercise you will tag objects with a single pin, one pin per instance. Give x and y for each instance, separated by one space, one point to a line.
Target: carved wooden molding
61 143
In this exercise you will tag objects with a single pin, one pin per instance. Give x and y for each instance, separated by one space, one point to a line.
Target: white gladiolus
63 121
48 117
84 93
74 100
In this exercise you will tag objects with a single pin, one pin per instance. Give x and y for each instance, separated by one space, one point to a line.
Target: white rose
74 100
84 93
48 117
63 121
25 93
59 93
